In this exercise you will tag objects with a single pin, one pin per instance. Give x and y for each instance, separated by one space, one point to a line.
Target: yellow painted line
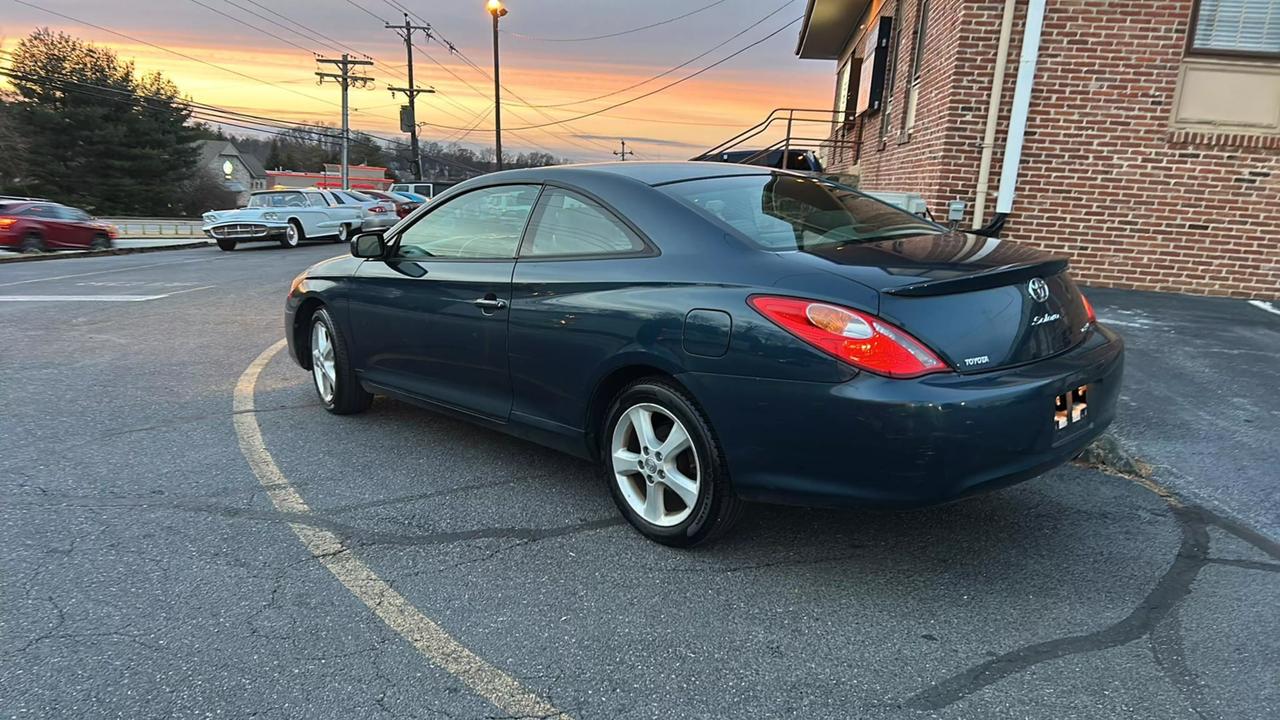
485 680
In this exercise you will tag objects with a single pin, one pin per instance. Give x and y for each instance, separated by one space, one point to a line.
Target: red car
33 226
404 205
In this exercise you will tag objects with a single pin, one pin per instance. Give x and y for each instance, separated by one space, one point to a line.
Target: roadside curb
35 257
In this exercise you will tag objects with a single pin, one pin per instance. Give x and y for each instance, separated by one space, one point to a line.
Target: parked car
426 190
286 216
797 159
38 226
402 204
378 214
713 334
420 199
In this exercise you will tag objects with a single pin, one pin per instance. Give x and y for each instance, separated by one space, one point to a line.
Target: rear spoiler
994 277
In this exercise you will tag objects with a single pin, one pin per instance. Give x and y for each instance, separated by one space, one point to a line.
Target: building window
842 89
1236 27
917 66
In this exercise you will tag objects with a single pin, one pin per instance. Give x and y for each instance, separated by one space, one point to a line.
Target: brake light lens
860 339
377 209
7 222
1088 309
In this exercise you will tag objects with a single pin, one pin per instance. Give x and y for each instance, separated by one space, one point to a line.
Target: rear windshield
788 212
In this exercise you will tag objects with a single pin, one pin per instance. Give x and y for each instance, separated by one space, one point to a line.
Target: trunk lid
980 303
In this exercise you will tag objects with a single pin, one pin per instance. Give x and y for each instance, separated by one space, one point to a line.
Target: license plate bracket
1071 408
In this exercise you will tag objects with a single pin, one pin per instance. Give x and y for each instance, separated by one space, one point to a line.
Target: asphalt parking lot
190 535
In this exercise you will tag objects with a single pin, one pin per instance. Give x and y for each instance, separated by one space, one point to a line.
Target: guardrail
156 227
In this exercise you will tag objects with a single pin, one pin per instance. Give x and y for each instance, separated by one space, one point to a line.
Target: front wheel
32 243
335 380
664 466
292 235
226 245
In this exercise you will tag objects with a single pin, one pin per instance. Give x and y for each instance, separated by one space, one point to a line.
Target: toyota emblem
1038 289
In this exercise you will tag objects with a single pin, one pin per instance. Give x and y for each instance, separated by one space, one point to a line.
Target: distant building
241 174
368 177
1151 152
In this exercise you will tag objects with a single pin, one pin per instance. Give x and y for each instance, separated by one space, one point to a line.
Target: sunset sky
669 125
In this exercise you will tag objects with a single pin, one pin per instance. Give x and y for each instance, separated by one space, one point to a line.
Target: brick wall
1104 179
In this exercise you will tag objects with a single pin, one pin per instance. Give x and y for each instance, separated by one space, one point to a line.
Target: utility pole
413 91
346 79
496 9
624 152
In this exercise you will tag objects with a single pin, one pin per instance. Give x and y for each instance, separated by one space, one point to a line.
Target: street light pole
496 10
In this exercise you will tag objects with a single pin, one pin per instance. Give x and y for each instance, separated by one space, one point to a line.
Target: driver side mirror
369 245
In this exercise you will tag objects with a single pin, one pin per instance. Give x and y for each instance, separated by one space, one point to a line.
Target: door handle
489 304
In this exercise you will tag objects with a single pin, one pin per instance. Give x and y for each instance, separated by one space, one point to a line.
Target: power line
657 90
251 26
182 55
621 32
668 71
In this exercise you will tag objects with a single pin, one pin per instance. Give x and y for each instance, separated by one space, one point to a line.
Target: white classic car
288 216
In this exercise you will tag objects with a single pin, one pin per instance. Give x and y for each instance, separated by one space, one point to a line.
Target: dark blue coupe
716 333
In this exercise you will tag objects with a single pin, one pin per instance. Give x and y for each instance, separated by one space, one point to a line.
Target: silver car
377 214
286 216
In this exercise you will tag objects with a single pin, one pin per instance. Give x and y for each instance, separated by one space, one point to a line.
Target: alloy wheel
655 465
322 365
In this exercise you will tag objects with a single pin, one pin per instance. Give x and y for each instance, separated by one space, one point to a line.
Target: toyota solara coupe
713 334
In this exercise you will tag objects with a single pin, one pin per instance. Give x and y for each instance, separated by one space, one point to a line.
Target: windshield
787 212
278 199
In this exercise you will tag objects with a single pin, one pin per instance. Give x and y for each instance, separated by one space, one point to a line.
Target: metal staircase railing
806 129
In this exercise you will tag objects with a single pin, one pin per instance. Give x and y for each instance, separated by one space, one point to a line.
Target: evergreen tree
97 135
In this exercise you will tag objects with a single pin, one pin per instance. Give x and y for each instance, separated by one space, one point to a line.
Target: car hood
239 214
341 266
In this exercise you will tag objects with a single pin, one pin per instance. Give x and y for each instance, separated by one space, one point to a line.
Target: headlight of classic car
270 216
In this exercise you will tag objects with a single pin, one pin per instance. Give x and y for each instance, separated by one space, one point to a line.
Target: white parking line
503 691
1264 305
95 298
100 272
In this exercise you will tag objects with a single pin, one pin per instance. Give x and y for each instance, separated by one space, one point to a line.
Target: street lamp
496 9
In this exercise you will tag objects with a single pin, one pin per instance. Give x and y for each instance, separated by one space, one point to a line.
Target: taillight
7 222
862 340
1088 309
377 209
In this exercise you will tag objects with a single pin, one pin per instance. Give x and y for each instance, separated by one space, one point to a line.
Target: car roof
649 173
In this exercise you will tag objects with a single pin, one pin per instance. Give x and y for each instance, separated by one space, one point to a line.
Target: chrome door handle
489 303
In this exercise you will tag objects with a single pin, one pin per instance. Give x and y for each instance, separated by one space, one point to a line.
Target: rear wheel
334 378
32 243
292 235
344 233
100 242
664 466
226 245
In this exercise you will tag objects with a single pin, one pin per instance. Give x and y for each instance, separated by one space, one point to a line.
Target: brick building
1151 149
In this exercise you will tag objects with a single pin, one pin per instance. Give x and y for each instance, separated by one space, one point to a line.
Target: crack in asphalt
1160 604
359 536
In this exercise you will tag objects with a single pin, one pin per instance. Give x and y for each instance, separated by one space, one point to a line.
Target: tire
226 245
344 233
32 243
100 242
681 514
332 376
293 235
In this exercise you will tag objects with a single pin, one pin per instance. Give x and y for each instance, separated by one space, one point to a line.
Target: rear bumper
907 443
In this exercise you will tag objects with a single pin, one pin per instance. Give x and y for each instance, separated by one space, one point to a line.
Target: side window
337 199
316 200
570 224
483 224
